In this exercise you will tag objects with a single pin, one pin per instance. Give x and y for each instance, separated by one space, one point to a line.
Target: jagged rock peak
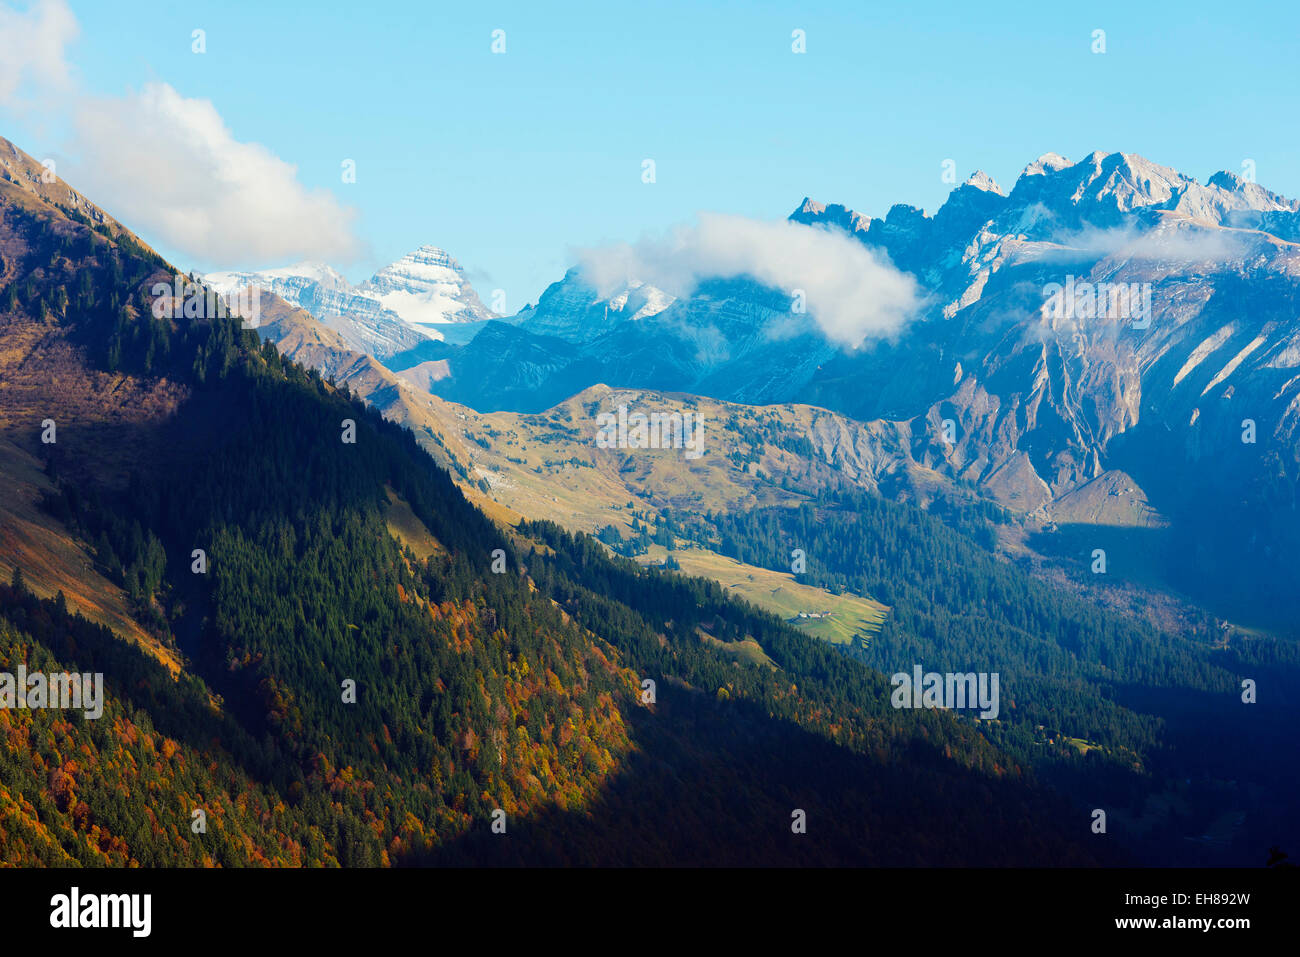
983 181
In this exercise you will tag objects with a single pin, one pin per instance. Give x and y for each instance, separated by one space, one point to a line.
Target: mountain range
353 617
1064 412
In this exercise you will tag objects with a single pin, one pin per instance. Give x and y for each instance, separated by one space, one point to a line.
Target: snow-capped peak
427 287
1047 163
396 309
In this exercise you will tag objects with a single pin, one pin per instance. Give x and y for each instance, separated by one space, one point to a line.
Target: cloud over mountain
1178 243
852 293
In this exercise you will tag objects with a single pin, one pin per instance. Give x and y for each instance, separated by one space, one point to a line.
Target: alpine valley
363 584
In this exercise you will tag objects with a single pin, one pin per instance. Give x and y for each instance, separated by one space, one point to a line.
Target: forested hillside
1111 710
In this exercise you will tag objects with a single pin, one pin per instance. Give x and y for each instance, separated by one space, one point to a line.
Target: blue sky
512 161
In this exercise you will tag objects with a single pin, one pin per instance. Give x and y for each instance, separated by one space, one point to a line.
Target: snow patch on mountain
427 287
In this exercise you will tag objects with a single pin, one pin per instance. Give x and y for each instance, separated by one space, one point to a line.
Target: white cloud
168 166
1174 243
31 49
851 293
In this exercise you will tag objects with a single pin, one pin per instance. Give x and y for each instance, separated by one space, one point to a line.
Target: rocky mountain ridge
400 307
